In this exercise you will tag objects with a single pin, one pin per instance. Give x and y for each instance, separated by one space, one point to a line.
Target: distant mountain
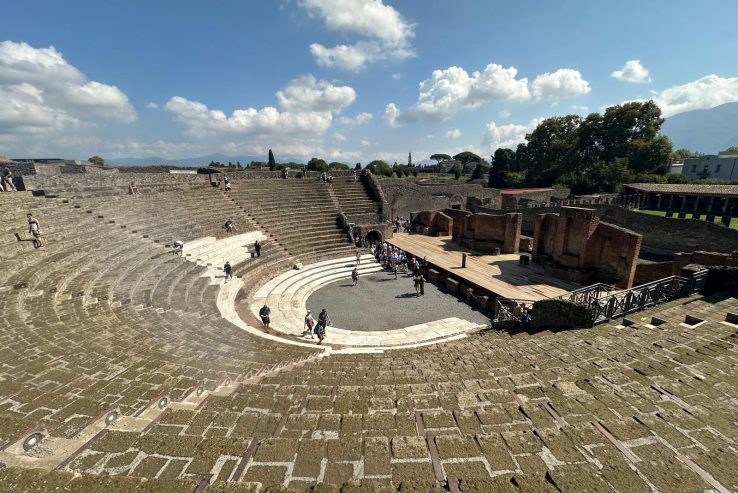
189 161
707 131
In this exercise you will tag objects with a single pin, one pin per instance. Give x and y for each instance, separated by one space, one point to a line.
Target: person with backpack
228 271
264 313
323 321
355 276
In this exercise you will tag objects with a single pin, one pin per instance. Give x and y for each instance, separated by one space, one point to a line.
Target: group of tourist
402 225
395 259
314 329
224 182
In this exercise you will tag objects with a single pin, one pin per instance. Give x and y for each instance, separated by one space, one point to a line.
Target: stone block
452 285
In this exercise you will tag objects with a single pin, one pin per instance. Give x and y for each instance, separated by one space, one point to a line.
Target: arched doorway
373 236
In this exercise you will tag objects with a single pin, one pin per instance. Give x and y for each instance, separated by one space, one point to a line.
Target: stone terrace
104 319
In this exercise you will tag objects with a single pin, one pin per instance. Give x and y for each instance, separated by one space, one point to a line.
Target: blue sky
346 80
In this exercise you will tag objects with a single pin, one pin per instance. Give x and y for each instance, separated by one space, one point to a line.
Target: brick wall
661 236
574 244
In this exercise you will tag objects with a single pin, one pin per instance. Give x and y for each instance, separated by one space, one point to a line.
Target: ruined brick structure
575 245
485 232
434 223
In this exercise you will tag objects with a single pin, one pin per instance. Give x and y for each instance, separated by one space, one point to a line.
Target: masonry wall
613 251
404 197
661 236
437 223
574 244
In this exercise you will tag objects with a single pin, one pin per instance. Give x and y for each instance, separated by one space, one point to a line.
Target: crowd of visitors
402 225
394 259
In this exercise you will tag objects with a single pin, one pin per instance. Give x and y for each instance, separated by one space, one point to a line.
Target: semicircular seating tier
118 372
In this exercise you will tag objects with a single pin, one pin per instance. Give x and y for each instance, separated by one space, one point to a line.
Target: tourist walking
264 313
421 282
358 257
34 227
6 181
355 276
323 322
177 248
309 325
257 248
416 283
228 271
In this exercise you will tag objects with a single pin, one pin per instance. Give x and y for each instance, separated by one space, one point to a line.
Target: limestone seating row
286 295
235 249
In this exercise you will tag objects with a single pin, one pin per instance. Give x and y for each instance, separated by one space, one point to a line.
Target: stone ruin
575 245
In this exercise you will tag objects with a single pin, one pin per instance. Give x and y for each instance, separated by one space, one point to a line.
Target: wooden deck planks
499 274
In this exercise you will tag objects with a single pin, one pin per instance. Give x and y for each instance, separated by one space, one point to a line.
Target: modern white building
723 166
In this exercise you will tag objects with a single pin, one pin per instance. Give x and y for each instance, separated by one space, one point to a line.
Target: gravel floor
379 302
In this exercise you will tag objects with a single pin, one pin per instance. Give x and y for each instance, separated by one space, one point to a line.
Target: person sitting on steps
229 226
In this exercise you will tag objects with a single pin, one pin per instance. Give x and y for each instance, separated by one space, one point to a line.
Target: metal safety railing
605 302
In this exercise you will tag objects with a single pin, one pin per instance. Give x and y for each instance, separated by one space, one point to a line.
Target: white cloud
508 135
357 120
454 133
339 137
44 100
397 76
43 76
152 106
562 84
504 114
308 94
365 143
306 109
391 114
580 109
449 91
384 32
632 71
707 92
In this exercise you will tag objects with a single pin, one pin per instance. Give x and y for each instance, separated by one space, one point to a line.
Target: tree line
592 154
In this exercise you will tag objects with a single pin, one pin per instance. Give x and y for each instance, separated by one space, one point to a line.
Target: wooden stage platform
498 274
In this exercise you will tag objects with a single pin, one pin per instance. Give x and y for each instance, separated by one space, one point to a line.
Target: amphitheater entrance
373 236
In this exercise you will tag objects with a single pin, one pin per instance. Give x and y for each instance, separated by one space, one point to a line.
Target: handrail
614 303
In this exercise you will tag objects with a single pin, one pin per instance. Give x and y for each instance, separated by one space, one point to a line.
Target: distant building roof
518 191
687 188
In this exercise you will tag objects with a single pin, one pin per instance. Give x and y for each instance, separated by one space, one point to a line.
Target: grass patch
718 219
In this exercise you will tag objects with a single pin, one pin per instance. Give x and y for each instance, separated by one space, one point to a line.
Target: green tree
414 171
379 168
440 157
686 153
467 157
503 161
457 171
409 159
338 166
631 131
316 164
97 160
478 172
731 150
551 150
358 166
272 162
